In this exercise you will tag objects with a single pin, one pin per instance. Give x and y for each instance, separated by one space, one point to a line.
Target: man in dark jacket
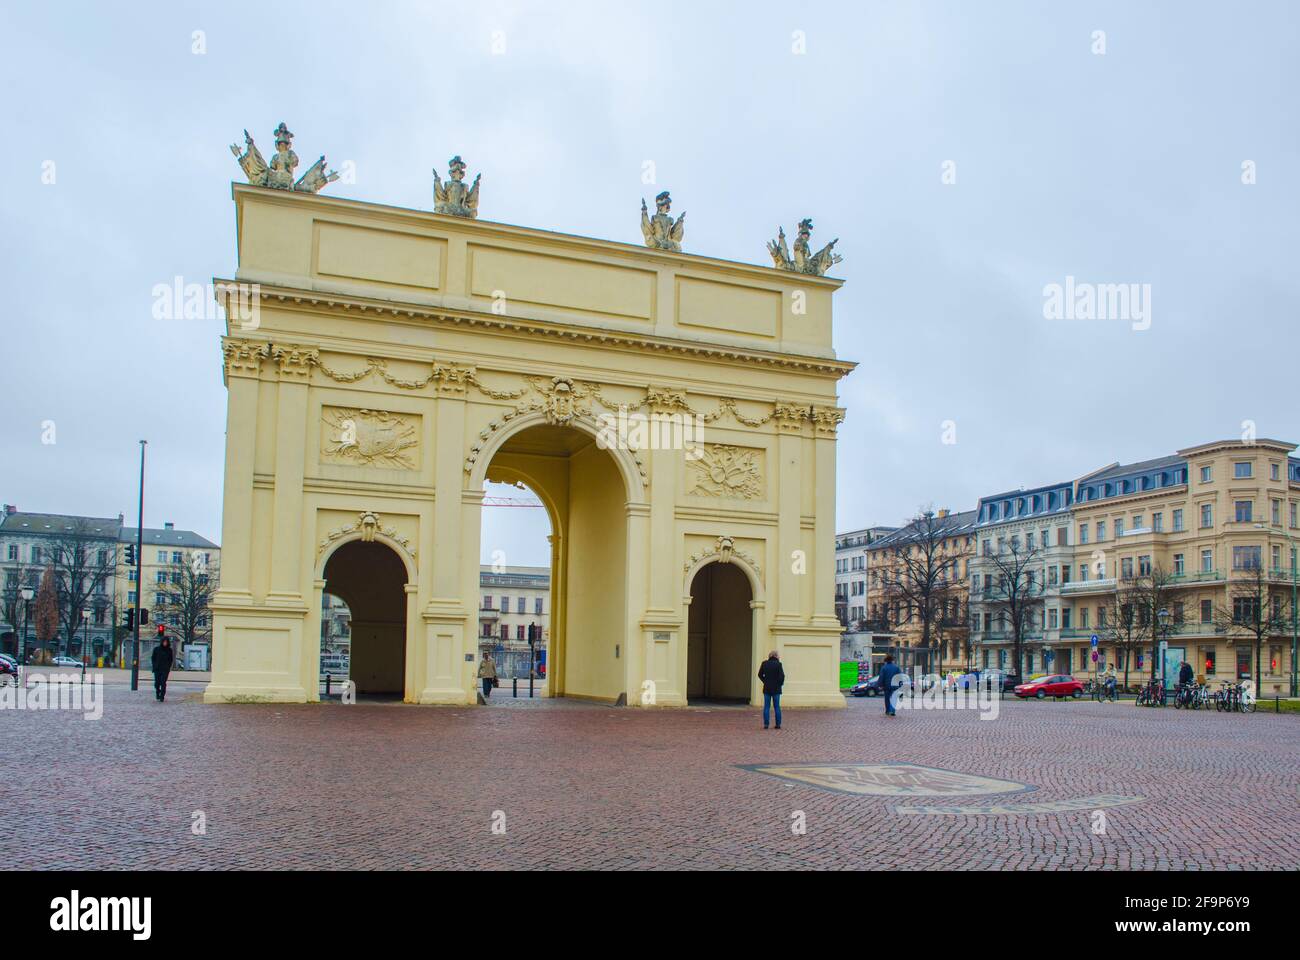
887 686
773 677
162 665
1186 674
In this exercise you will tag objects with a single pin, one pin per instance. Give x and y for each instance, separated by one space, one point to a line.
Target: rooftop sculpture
661 231
453 198
804 260
278 174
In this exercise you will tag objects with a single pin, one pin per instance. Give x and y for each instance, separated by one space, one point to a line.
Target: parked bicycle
1152 694
1234 698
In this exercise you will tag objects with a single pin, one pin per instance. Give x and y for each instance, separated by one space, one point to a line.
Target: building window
1242 470
13 551
1207 611
1277 513
162 556
1126 568
1144 566
36 554
130 596
487 603
1101 530
1295 514
1273 471
1244 510
1083 572
1277 557
1083 533
1178 520
521 605
537 605
1179 568
1207 515
1207 561
1083 617
1246 558
1119 527
1207 474
1209 662
1158 522
519 633
505 604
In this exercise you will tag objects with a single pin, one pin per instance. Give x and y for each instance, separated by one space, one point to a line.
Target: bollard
515 683
328 679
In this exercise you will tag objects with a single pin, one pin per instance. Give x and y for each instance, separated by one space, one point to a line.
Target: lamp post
1163 617
85 641
27 593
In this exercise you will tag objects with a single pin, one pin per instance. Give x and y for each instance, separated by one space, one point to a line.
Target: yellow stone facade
397 359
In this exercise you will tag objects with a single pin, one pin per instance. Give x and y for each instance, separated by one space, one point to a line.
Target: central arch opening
719 653
370 579
584 497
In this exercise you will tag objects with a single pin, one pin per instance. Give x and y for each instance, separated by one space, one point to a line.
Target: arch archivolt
367 528
724 550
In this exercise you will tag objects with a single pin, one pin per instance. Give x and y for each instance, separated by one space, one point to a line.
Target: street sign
1094 642
1094 656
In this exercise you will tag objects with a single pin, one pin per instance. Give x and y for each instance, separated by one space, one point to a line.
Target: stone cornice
321 301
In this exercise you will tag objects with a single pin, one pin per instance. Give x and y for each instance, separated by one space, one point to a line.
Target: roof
954 524
1123 469
57 524
168 538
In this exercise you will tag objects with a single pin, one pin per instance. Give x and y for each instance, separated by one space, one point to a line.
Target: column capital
242 357
295 360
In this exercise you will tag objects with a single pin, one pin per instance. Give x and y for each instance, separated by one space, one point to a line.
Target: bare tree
12 606
1119 623
1255 612
182 603
1151 592
1017 593
952 631
46 612
85 563
920 574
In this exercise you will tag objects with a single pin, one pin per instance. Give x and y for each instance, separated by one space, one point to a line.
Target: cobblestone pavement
388 785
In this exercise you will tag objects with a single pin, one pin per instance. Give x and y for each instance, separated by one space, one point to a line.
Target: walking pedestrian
773 676
163 658
487 672
887 674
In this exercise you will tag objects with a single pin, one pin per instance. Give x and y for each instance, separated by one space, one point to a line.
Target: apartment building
1025 533
894 608
1202 521
851 589
511 600
165 557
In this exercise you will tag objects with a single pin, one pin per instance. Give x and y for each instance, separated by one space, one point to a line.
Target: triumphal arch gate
676 414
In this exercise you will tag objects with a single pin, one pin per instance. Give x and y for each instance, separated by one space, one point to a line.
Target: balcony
1282 573
488 613
1197 577
1076 587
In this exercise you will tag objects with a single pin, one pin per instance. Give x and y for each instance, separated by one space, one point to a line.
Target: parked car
8 667
867 688
1052 685
66 662
1000 679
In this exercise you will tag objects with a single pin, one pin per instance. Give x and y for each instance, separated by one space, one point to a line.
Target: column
293 364
243 361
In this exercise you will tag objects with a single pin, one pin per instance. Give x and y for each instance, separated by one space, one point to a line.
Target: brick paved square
580 786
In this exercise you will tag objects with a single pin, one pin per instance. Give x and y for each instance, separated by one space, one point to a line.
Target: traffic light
130 556
129 620
162 631
144 617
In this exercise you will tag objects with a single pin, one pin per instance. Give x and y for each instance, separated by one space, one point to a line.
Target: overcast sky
1117 167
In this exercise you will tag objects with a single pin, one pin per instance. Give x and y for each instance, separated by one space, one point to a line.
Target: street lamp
1163 617
85 641
27 593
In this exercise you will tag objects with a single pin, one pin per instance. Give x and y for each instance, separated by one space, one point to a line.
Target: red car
1058 685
